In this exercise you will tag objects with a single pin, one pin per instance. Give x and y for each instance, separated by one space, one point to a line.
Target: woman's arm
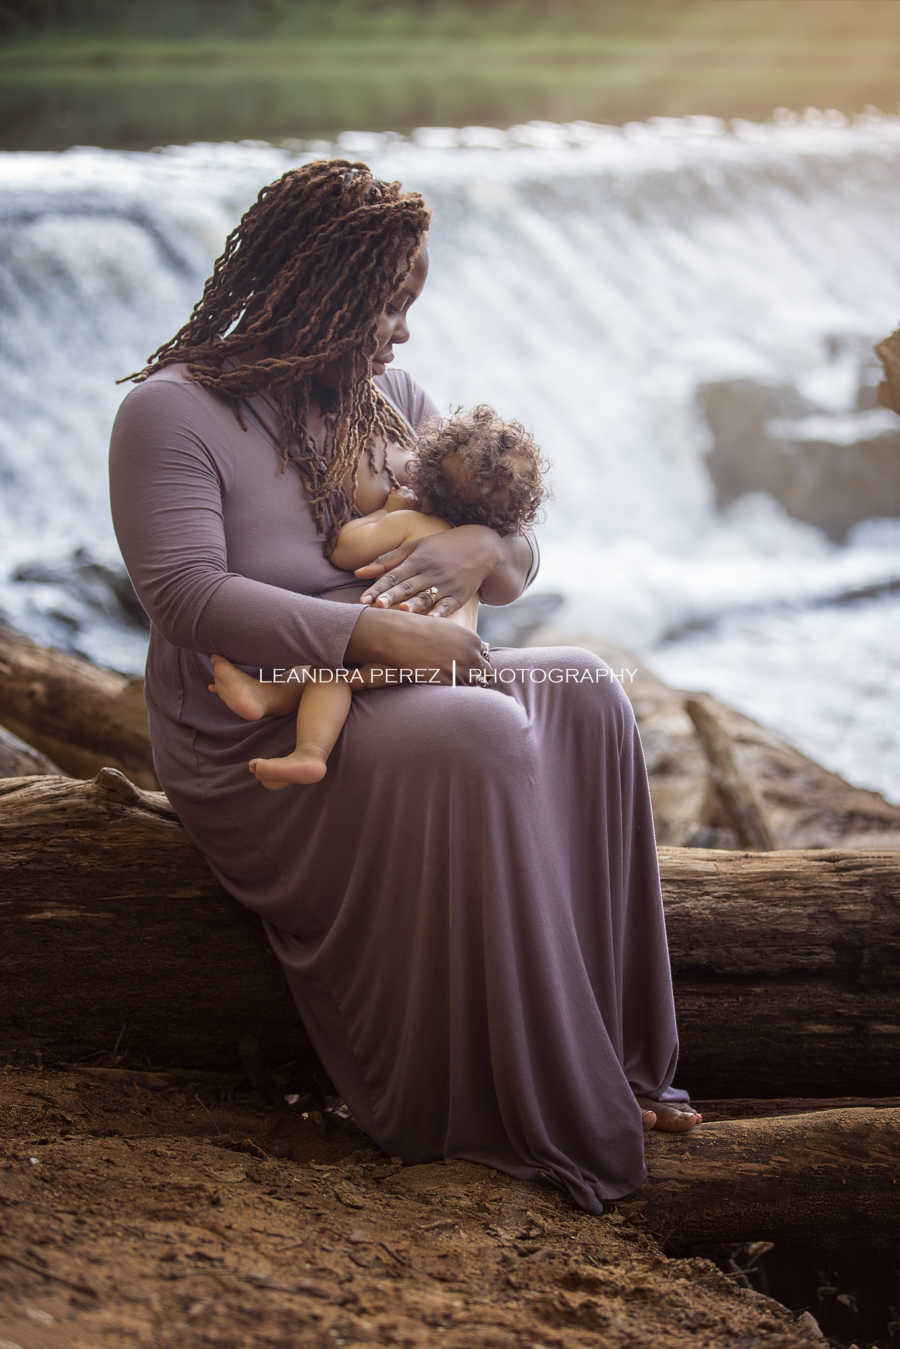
166 502
517 568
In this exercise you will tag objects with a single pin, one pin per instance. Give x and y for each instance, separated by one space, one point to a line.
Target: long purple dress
467 908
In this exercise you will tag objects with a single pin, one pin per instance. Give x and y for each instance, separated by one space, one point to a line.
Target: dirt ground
196 1217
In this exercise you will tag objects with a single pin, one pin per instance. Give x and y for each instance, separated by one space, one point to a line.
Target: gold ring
432 593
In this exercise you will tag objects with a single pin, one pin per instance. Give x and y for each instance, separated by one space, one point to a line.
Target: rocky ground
196 1217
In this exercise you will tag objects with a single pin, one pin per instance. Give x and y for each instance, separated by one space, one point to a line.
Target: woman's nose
401 330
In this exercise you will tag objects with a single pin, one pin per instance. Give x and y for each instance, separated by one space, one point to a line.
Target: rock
888 352
513 624
805 804
96 586
830 469
808 1325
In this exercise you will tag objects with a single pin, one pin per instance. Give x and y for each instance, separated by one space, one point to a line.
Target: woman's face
392 326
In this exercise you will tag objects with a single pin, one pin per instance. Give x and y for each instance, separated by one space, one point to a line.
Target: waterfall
651 300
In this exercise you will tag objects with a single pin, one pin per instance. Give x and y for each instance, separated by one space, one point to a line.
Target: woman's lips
383 358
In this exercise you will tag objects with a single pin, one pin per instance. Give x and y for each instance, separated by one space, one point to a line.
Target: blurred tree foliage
189 18
140 73
813 20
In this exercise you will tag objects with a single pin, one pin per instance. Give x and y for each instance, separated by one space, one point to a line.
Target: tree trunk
774 1178
19 759
81 717
785 968
118 935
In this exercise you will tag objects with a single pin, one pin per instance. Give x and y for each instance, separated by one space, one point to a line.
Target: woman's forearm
370 638
507 579
446 651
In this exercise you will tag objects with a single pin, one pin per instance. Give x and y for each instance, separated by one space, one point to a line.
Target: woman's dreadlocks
306 275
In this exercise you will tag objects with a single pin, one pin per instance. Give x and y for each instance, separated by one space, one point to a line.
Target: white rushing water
587 280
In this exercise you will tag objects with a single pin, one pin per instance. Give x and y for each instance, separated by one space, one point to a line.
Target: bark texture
19 759
789 1177
80 716
784 962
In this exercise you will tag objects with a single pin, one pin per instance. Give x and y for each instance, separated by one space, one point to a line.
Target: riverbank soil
197 1216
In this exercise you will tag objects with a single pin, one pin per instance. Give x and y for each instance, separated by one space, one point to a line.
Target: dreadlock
306 273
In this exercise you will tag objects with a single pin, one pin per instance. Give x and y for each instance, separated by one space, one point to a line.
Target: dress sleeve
535 556
166 502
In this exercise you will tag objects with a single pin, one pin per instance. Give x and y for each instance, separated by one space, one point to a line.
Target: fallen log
18 759
750 1107
791 1177
734 790
116 932
82 717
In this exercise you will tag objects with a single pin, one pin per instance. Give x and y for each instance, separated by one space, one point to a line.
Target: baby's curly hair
494 475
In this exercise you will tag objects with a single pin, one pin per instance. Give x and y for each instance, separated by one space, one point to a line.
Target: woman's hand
404 641
455 562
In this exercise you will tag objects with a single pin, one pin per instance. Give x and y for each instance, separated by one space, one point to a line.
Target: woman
467 908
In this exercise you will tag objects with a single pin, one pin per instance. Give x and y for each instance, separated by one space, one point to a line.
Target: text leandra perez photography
562 674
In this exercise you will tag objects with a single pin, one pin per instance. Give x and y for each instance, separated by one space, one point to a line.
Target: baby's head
477 469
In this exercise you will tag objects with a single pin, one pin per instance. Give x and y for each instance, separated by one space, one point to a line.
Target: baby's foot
669 1116
307 763
238 690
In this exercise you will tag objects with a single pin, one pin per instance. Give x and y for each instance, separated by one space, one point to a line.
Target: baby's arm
361 541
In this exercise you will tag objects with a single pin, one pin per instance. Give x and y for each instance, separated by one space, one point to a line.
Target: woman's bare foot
669 1116
307 763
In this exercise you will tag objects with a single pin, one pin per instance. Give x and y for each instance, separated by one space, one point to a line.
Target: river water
591 281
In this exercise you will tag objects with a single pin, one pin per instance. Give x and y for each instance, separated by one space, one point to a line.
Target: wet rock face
93 586
513 624
888 353
830 468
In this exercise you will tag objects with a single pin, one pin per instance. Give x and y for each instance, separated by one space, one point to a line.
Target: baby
472 469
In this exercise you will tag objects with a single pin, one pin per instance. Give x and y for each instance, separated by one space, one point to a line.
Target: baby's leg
248 697
320 719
